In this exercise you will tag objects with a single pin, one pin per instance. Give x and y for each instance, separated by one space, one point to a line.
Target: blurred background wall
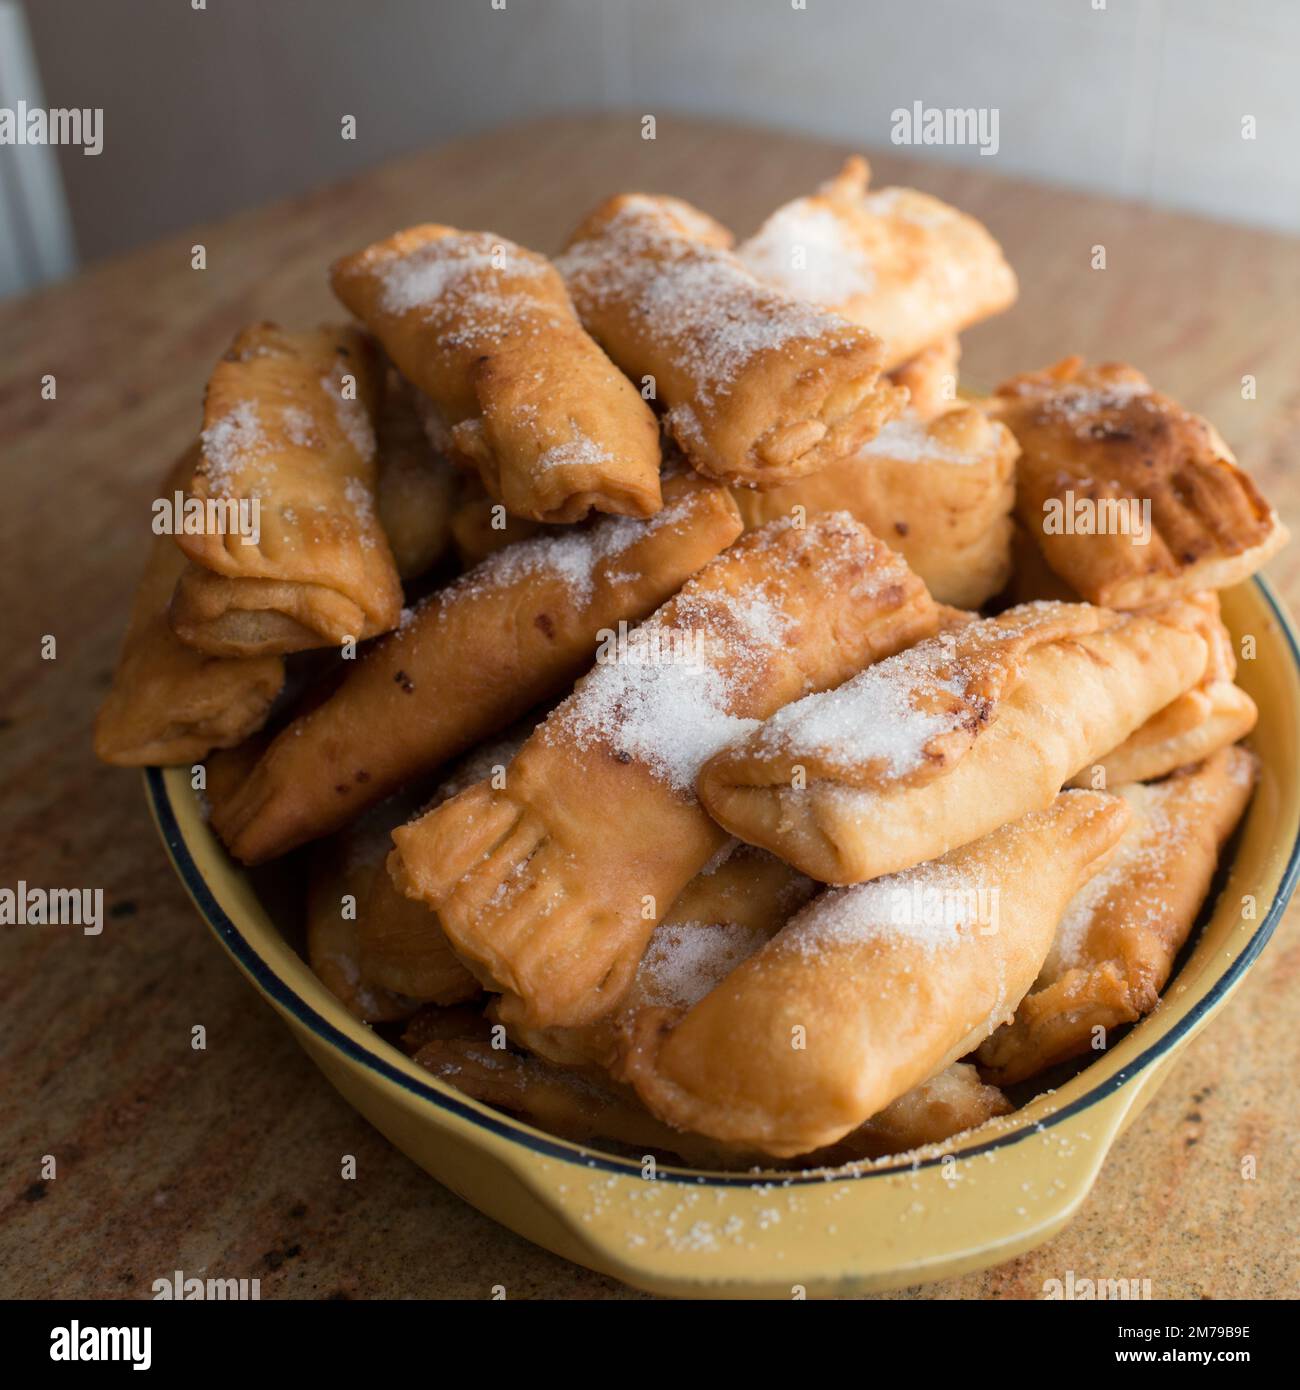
210 110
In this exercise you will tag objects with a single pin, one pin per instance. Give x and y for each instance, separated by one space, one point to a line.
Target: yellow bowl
1005 1189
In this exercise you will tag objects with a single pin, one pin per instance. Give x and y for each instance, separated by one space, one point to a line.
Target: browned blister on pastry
1212 714
940 492
947 741
467 661
550 886
517 389
759 387
871 990
1117 940
911 268
170 703
288 428
1131 498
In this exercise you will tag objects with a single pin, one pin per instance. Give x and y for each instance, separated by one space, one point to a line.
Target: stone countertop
226 1162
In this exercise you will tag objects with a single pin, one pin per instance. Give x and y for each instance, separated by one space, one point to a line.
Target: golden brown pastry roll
401 944
1131 498
941 492
284 430
1032 578
466 662
931 378
759 388
721 918
723 915
574 1105
417 486
343 872
170 704
480 527
947 741
1117 940
486 330
550 886
1209 716
870 990
952 1103
909 267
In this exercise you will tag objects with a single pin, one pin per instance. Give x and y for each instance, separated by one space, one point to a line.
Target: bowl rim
282 994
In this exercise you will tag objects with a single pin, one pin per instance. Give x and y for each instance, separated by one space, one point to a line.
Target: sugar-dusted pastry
952 1103
417 486
480 527
467 661
759 388
343 871
909 267
1116 943
941 492
401 944
945 742
1131 498
1212 714
486 330
288 428
170 703
931 378
550 885
734 904
871 990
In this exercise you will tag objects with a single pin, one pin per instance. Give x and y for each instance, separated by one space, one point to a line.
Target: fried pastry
870 990
1117 940
343 872
480 527
550 886
1212 714
170 704
930 378
474 656
722 916
954 1102
288 427
401 945
941 492
1032 578
909 267
1131 498
523 396
949 740
417 486
578 1106
759 388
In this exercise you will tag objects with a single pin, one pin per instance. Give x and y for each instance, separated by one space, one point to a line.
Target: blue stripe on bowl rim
277 989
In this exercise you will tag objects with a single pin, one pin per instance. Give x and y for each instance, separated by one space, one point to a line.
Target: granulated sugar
229 444
803 248
685 960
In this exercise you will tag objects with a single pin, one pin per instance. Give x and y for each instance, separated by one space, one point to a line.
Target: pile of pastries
694 727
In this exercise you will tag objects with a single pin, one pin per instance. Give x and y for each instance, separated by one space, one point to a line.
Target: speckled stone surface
227 1162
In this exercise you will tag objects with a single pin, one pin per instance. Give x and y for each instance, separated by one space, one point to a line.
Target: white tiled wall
206 112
